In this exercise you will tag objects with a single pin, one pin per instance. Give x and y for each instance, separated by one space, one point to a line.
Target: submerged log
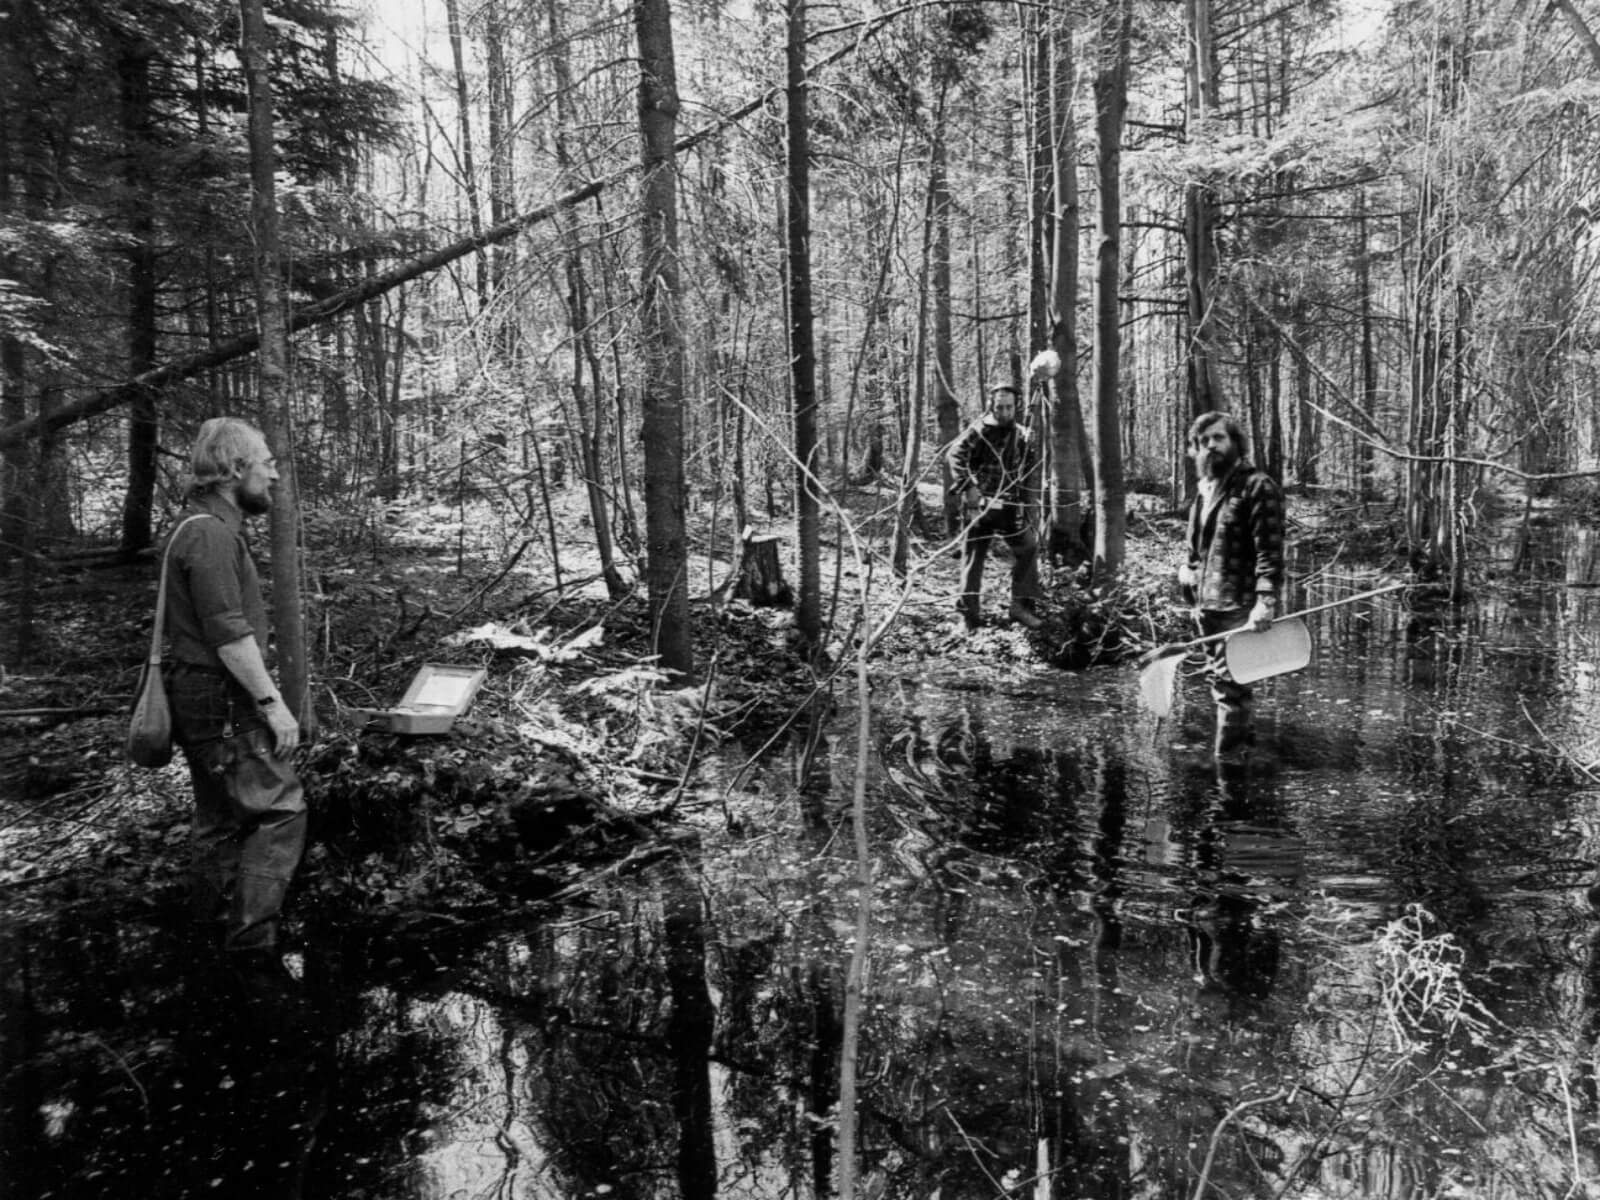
761 580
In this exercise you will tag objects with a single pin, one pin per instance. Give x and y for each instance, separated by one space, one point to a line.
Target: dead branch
320 311
1383 447
88 710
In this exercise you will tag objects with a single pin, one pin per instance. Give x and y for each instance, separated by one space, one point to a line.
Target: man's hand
1188 577
971 499
285 729
242 658
1263 613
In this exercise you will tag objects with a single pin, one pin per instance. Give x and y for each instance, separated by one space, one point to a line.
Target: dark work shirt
213 591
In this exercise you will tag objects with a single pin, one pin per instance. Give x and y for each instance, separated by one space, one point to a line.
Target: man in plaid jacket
1234 573
994 472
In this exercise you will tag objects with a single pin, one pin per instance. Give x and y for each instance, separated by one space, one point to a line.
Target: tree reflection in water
1099 968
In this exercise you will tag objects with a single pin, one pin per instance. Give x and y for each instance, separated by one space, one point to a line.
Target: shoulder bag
150 727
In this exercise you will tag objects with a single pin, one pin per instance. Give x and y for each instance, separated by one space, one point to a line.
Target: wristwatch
267 701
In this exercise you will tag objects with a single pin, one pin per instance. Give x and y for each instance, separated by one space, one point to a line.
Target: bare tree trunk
667 572
1426 515
1036 57
372 371
1017 254
1463 479
945 408
590 412
1111 103
741 491
872 359
627 519
1131 349
1067 434
911 463
1367 397
1308 434
276 400
501 162
133 69
216 386
469 174
1441 311
18 141
802 346
15 471
392 403
1272 363
1254 414
1200 220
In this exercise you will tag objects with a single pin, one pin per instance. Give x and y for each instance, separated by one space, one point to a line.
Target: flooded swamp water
1362 964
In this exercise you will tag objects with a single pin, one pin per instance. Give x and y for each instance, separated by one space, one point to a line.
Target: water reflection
691 1021
1102 965
251 1084
1246 864
157 1074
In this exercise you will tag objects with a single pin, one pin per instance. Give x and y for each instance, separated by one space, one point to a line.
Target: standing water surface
1100 965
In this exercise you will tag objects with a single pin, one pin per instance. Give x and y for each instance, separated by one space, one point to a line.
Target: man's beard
256 504
1214 464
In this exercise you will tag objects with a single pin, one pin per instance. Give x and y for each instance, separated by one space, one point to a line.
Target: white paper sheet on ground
1282 647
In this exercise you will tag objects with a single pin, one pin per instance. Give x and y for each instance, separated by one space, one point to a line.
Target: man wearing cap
236 731
994 468
1234 572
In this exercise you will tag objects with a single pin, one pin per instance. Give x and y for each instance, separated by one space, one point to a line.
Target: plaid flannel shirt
1001 461
1236 544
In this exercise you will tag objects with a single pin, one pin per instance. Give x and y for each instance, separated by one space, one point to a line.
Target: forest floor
577 755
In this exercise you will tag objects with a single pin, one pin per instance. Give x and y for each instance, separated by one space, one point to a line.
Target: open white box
439 693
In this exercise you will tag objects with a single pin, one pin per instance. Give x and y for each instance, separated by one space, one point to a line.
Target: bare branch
324 310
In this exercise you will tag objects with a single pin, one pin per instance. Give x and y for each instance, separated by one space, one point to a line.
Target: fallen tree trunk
89 710
301 318
320 311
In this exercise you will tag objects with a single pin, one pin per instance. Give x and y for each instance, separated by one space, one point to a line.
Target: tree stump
761 580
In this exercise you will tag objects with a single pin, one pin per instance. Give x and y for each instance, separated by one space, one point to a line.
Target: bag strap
158 628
